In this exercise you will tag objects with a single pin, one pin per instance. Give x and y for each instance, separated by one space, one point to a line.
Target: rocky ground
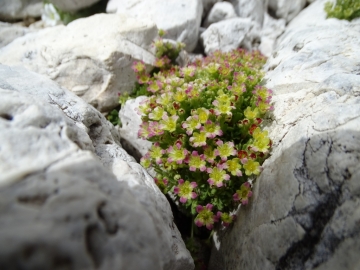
71 197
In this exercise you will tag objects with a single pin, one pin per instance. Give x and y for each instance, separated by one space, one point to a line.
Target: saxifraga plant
343 9
205 122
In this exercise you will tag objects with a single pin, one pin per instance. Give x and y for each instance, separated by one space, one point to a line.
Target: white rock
270 31
179 18
91 57
306 202
10 32
19 9
286 9
71 5
313 15
130 125
60 159
219 12
253 9
231 34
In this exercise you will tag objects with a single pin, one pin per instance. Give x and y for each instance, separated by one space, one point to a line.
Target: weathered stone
304 213
71 6
231 34
271 30
19 9
254 9
179 18
9 32
286 9
91 57
130 125
219 12
71 197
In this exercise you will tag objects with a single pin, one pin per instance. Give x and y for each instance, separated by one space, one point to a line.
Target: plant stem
192 228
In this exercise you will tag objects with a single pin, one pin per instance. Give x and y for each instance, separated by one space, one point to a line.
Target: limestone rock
286 9
130 124
219 12
304 213
179 18
91 57
71 197
19 9
254 9
231 34
71 5
9 32
271 30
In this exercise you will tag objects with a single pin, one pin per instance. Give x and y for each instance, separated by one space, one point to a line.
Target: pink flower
211 129
205 216
243 194
169 123
209 154
138 66
143 78
224 150
191 123
222 107
198 139
217 175
185 190
161 62
177 154
156 153
225 218
196 161
154 86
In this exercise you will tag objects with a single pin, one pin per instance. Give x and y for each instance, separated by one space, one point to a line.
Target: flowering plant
205 122
343 9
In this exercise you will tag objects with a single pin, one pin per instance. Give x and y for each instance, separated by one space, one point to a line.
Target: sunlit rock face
91 56
305 209
71 197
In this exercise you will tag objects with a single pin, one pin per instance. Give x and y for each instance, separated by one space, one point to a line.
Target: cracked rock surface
70 196
91 56
305 209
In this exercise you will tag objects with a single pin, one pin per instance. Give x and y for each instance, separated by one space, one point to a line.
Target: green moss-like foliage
343 9
113 117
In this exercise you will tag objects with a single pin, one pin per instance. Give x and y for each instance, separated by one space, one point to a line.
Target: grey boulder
179 18
71 197
19 9
253 9
305 209
286 9
219 12
130 125
231 34
91 57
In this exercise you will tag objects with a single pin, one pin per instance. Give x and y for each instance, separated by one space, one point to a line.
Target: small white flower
50 16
